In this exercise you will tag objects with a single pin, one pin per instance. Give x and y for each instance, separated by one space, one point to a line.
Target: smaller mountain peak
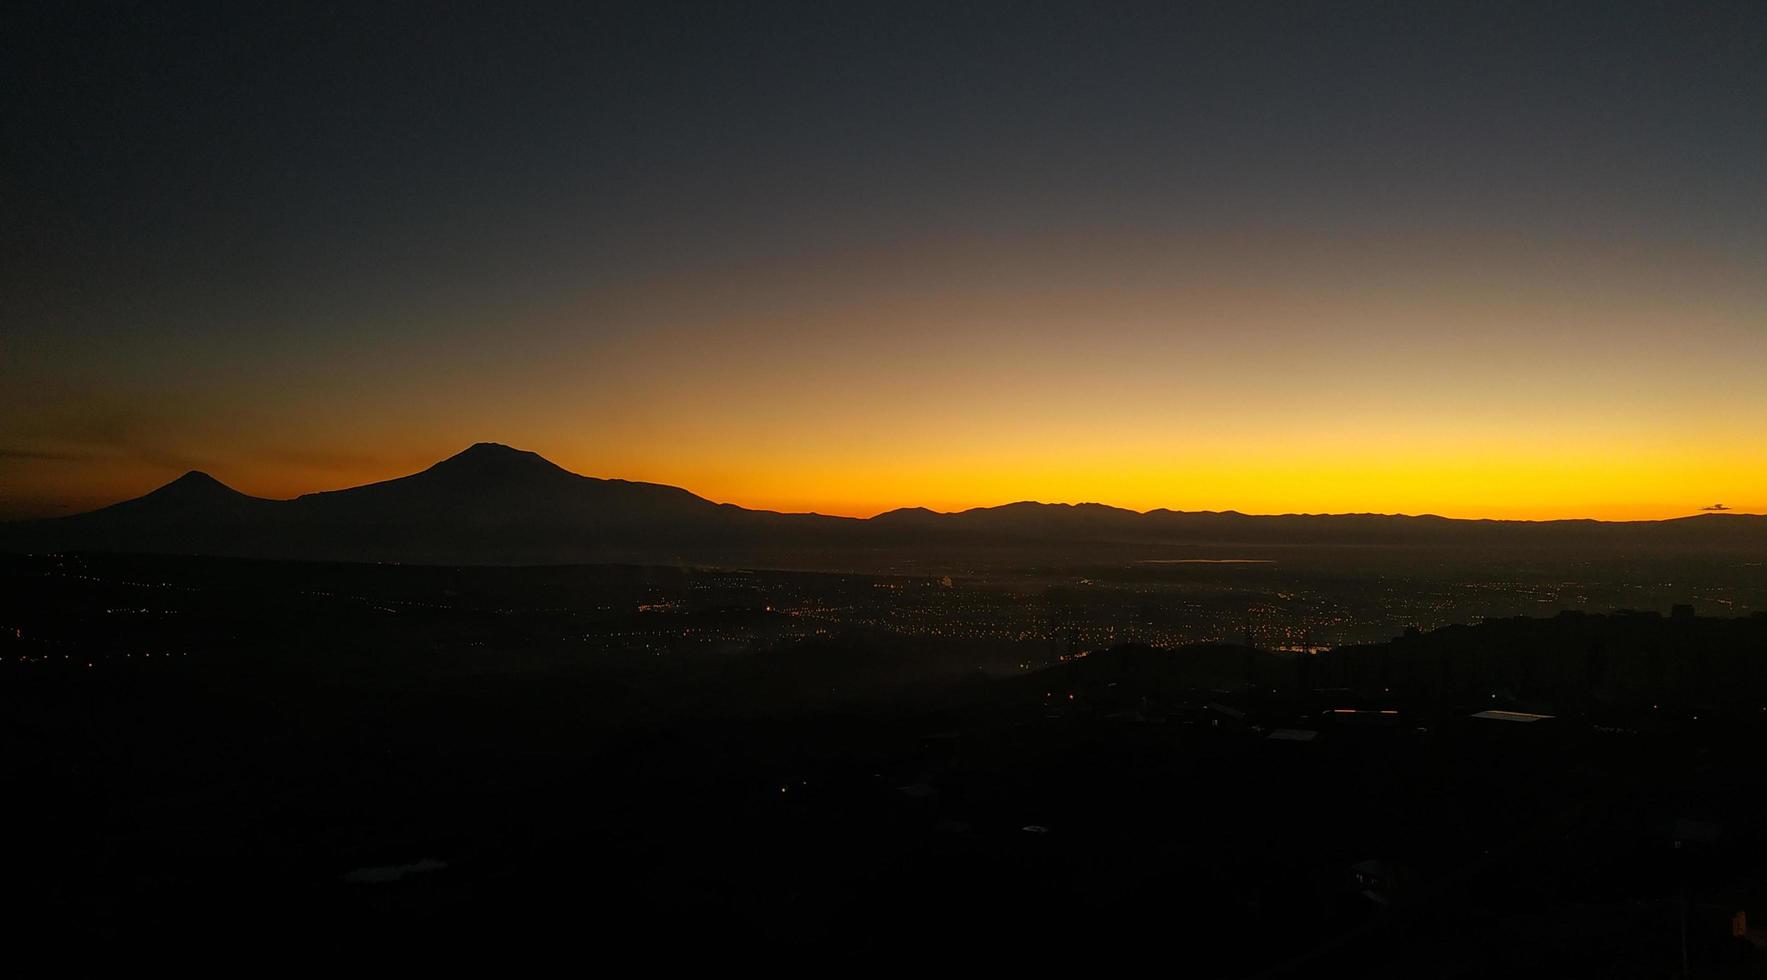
195 483
199 480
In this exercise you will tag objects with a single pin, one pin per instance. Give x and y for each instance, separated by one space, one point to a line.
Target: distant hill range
492 504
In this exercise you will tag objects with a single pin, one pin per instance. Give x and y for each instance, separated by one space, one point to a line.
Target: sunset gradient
1135 259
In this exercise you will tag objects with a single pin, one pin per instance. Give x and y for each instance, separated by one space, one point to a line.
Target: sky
1480 260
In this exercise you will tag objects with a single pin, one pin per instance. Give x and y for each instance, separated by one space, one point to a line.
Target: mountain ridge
494 504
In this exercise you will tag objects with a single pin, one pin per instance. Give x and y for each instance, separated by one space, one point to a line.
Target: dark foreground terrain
205 759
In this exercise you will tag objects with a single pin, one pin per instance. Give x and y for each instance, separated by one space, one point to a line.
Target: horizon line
1716 510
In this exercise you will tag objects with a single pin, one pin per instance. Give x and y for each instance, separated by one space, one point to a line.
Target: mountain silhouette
193 490
490 483
493 504
193 503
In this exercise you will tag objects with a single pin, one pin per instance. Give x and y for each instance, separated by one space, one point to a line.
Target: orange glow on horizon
1253 373
1537 488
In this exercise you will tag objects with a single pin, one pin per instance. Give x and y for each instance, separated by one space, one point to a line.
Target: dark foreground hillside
245 768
